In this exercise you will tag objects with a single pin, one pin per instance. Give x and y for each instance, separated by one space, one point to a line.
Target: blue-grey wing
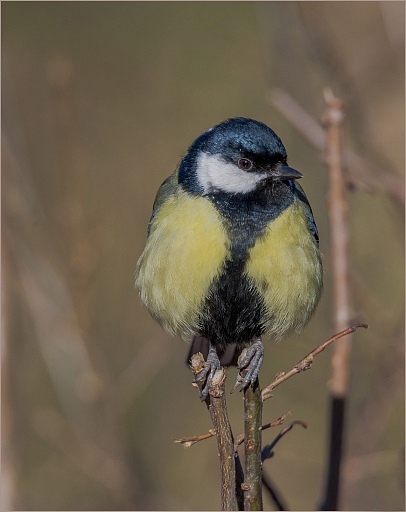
300 194
167 189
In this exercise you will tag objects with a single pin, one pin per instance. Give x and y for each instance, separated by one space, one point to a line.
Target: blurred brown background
99 102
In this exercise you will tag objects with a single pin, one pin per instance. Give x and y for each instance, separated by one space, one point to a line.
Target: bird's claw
249 365
205 376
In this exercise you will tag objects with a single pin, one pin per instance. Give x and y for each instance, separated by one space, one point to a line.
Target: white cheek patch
213 173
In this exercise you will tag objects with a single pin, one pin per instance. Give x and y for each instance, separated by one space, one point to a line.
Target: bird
232 250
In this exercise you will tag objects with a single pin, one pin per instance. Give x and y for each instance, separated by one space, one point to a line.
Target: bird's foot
205 376
249 364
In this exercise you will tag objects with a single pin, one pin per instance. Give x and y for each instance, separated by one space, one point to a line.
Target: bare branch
306 362
253 445
333 119
187 442
240 439
216 403
267 451
339 234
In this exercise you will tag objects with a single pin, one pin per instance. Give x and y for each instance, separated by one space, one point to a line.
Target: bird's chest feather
185 251
272 279
205 266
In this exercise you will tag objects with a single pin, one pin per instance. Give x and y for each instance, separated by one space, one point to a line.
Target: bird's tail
228 357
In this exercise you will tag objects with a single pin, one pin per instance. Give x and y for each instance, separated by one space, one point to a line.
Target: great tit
232 248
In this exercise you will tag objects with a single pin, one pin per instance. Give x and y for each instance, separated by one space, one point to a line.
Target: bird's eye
245 164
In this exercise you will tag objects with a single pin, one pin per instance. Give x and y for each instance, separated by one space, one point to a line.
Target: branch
333 119
216 403
306 362
339 229
275 423
187 442
252 444
267 451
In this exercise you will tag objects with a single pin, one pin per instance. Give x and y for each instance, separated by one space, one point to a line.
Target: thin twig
187 442
240 439
267 451
306 362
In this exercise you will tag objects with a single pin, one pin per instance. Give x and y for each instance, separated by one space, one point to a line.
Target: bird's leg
207 373
252 361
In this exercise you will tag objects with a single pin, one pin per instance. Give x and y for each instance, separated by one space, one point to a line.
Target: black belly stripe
234 310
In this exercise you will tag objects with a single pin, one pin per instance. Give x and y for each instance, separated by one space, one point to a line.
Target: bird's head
236 156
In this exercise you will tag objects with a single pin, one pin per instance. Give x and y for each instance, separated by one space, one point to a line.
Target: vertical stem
253 445
217 405
337 410
225 443
338 212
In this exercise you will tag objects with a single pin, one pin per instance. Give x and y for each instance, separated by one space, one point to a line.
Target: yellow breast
285 266
185 251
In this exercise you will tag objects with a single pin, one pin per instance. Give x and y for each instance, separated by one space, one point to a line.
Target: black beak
284 172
